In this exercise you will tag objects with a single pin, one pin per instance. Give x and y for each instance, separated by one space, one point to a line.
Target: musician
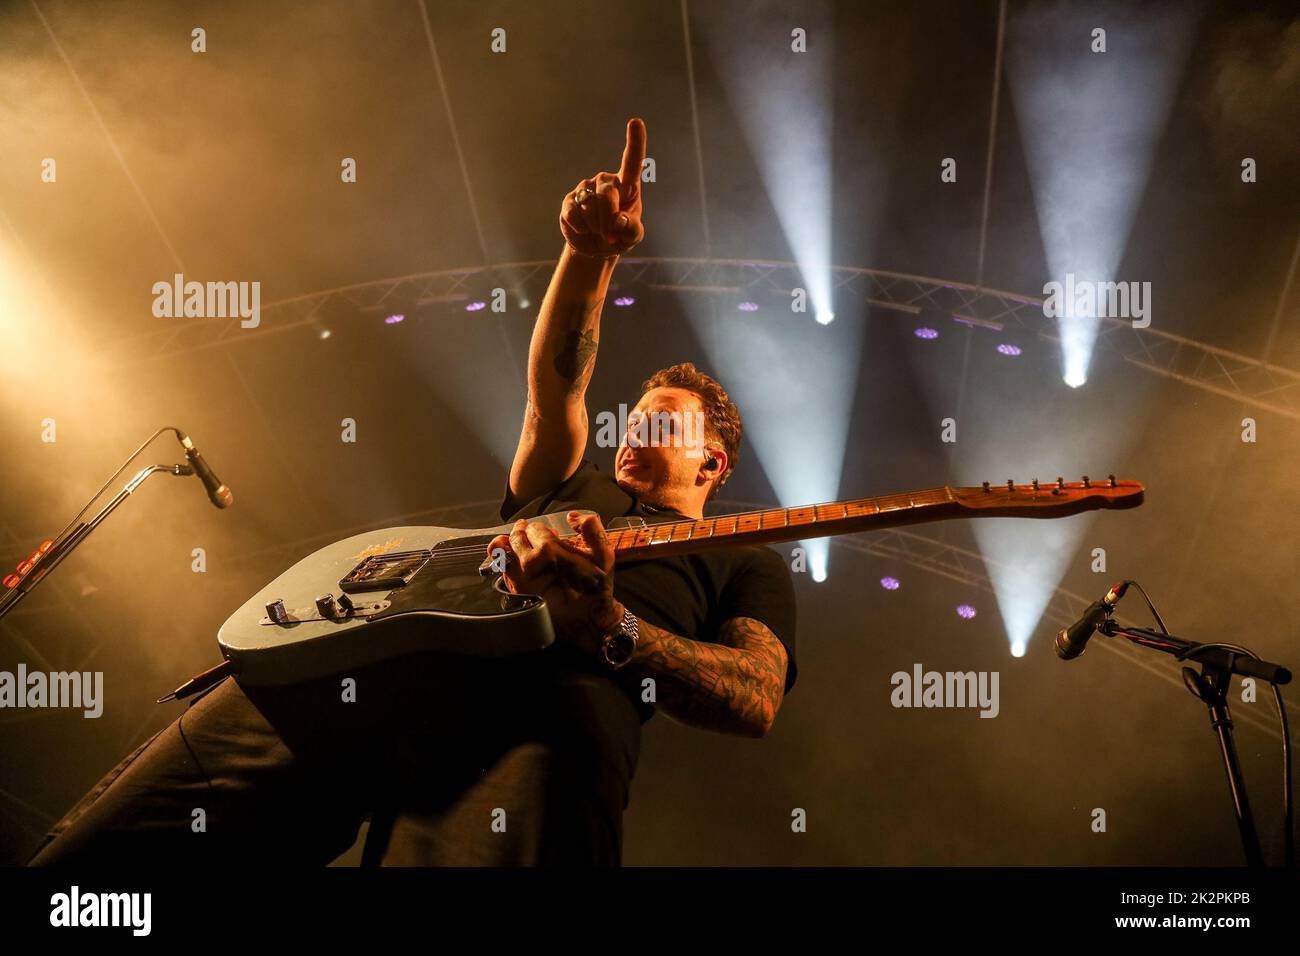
526 760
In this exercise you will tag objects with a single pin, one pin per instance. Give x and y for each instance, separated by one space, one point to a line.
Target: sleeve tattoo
734 687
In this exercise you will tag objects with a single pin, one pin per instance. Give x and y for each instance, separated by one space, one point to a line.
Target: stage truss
1252 381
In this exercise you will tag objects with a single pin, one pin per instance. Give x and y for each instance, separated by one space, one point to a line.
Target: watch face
618 648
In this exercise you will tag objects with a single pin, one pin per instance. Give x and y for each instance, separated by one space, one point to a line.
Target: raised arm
600 220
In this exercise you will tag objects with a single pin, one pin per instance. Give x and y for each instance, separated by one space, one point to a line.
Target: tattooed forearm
574 358
735 688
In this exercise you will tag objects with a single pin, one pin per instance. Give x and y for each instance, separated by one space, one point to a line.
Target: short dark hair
721 416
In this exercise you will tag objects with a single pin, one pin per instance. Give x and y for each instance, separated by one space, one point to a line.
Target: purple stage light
1006 348
966 611
889 584
393 319
475 306
625 300
748 307
925 332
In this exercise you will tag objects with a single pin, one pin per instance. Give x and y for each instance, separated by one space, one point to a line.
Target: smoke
1252 90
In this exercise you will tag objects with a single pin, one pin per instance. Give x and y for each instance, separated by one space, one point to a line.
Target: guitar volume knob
276 613
326 606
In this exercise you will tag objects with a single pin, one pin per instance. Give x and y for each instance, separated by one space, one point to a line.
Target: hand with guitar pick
574 576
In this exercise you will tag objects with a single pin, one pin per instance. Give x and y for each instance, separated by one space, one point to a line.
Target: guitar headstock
1051 499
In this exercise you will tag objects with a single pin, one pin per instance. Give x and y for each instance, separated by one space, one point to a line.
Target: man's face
660 475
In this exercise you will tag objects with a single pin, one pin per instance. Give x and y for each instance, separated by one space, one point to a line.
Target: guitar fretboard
783 524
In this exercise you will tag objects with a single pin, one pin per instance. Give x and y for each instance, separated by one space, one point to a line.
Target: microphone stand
74 535
1218 663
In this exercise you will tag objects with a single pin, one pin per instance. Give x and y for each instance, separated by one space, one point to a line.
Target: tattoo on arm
734 688
574 357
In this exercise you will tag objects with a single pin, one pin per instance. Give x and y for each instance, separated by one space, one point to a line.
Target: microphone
218 493
1072 640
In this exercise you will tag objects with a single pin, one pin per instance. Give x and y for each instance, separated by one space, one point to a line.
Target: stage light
394 319
1090 122
784 106
802 398
624 300
817 559
475 306
926 332
889 584
965 611
1025 561
324 334
1006 348
748 307
525 304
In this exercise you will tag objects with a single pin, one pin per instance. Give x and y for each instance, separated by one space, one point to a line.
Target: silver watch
619 646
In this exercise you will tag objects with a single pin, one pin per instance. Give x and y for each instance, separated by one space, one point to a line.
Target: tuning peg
1034 482
1011 485
1060 482
986 486
1113 482
1086 482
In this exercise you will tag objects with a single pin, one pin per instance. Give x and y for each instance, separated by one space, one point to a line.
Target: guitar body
420 590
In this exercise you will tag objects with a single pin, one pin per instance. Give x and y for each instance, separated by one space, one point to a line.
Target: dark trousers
458 761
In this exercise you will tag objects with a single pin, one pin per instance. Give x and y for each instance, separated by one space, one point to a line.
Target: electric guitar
397 591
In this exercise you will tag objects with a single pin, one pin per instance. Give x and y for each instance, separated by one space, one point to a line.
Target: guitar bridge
384 572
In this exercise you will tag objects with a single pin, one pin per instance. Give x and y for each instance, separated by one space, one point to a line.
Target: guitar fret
839 517
801 515
776 519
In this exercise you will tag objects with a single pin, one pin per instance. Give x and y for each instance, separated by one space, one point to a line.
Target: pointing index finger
629 172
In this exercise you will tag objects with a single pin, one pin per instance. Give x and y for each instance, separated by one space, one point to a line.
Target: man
526 760
733 680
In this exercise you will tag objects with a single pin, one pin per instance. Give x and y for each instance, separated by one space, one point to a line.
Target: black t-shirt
690 595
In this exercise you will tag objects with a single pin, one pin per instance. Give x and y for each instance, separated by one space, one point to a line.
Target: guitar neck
785 524
1059 499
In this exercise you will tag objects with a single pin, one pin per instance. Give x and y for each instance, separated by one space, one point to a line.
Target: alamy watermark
75 908
922 688
181 299
75 689
1084 299
668 429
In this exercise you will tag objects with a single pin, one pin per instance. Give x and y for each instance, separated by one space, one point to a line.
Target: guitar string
457 552
915 499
